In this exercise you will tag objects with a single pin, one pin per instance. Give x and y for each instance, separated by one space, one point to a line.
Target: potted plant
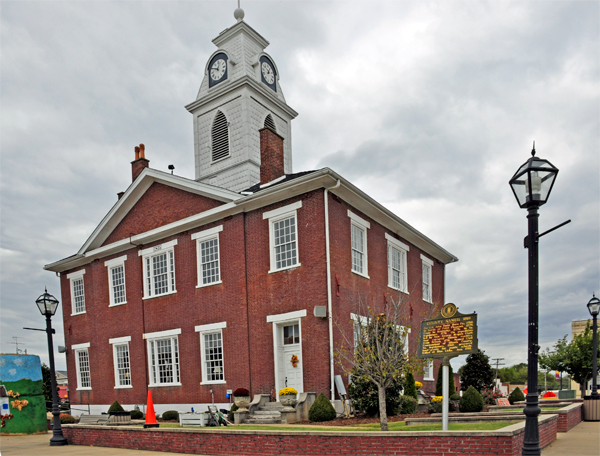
287 397
242 399
419 385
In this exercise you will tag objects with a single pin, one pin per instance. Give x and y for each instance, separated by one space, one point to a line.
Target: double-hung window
428 370
427 268
211 352
207 252
397 269
283 236
163 358
122 361
82 366
159 269
116 280
358 237
77 292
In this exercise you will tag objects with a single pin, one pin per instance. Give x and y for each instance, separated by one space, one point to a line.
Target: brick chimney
271 155
140 162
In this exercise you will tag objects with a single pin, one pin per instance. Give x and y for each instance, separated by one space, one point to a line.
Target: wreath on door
294 360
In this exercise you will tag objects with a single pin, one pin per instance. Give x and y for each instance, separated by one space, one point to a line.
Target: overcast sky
428 106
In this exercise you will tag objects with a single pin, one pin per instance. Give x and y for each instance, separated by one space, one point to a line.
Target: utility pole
498 363
17 343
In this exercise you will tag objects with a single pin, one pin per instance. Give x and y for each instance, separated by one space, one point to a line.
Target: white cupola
239 95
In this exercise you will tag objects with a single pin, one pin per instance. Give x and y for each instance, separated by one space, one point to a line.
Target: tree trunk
382 411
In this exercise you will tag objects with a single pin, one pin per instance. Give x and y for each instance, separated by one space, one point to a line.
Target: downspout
329 303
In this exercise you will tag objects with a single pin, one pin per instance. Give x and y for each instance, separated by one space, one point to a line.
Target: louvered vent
269 122
220 137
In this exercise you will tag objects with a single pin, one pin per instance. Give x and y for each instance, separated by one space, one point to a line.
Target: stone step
263 413
272 406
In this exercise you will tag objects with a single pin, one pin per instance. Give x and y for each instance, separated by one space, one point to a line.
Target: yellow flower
287 392
436 399
418 384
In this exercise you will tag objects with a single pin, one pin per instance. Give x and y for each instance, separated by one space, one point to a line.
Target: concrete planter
242 403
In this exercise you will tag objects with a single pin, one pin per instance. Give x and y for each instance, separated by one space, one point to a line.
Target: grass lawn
374 427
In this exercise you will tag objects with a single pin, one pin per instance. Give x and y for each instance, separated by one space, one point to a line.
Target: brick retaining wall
569 417
507 441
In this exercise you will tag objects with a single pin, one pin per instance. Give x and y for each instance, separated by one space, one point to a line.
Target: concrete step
272 406
264 413
257 420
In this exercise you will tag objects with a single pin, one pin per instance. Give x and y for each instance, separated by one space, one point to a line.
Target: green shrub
230 416
137 415
471 401
434 407
170 415
408 405
455 397
115 407
516 396
321 410
65 418
440 378
365 396
410 388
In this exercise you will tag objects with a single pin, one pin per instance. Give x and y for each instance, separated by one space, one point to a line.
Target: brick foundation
507 441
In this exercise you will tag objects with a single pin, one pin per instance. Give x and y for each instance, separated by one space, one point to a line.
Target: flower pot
288 401
242 403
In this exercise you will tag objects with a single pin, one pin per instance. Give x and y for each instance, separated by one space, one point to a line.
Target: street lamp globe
47 304
594 306
533 181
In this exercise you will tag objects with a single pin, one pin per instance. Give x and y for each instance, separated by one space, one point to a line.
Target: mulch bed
362 419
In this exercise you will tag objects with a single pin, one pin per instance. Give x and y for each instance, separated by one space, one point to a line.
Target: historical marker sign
450 335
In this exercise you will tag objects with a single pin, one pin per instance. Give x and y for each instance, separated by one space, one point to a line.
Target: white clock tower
239 95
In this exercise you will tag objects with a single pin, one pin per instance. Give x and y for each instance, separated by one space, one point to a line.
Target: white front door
289 344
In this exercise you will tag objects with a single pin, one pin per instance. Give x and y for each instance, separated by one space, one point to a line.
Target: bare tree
377 351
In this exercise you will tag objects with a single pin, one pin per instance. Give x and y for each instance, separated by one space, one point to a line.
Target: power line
498 363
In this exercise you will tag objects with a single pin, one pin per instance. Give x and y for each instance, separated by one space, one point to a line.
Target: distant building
62 378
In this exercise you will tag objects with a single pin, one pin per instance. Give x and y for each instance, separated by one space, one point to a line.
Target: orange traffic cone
150 416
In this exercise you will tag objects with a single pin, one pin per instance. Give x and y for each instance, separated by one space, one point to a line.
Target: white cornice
240 27
247 81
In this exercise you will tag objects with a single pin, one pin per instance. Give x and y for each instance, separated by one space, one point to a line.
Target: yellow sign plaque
451 334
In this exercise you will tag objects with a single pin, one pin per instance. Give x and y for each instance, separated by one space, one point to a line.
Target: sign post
447 336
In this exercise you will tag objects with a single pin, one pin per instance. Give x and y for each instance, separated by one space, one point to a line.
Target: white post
445 401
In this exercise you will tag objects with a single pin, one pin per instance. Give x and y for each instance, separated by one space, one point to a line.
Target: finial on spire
238 14
533 150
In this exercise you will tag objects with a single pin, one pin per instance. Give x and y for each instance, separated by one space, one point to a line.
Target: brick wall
569 417
247 295
239 442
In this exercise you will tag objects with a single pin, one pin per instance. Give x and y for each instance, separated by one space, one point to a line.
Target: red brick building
189 288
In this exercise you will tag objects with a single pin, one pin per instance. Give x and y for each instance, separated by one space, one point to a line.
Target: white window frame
274 216
363 226
427 264
113 264
395 244
200 238
363 321
152 338
76 350
165 248
428 370
73 277
117 342
204 330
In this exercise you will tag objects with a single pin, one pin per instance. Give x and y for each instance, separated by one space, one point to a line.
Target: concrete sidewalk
582 440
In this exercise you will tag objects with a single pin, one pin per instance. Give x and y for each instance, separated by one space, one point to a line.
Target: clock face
268 73
217 70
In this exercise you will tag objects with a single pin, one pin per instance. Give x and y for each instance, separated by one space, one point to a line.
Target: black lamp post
48 305
531 185
594 308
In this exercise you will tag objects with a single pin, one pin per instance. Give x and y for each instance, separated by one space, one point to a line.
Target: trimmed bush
65 418
115 407
455 397
408 405
440 378
137 415
365 397
230 416
516 396
321 410
472 401
410 389
434 407
170 415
